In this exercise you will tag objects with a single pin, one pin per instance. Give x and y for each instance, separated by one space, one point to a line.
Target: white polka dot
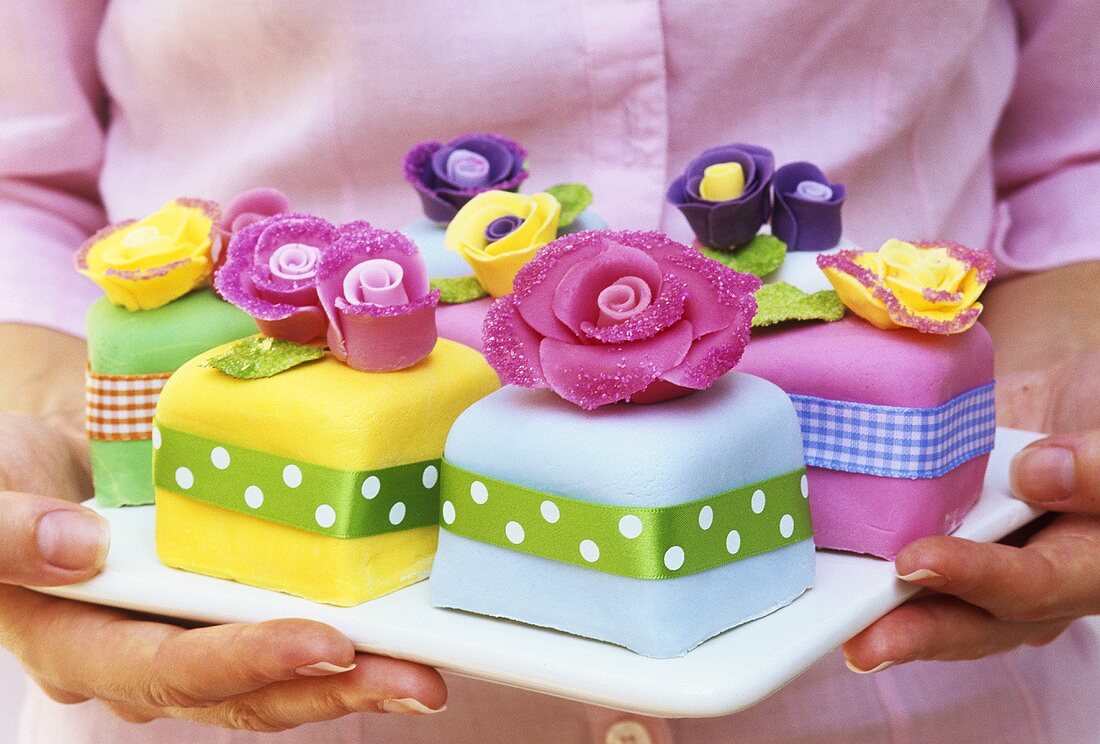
184 478
325 516
397 513
674 558
786 526
219 457
448 512
590 551
156 438
550 512
733 542
292 476
371 487
805 487
478 492
758 501
430 476
514 532
630 526
706 518
254 497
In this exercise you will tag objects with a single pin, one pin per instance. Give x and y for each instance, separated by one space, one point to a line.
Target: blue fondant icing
428 236
742 430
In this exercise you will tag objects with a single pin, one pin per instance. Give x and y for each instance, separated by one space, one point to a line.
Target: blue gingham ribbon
896 442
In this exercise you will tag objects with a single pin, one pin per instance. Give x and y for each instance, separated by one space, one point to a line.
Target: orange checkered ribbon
120 408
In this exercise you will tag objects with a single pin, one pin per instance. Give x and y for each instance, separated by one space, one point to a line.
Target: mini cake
157 314
896 405
282 466
652 526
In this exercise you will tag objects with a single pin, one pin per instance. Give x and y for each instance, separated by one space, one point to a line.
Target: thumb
1060 473
47 542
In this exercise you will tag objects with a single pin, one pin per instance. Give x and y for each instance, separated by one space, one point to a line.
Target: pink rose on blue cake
601 317
373 285
270 273
807 208
725 194
446 176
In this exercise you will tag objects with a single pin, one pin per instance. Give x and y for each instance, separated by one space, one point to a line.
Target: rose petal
713 355
713 289
575 301
805 224
376 339
594 375
511 346
535 284
666 310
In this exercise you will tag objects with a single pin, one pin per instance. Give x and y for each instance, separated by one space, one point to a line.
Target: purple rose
807 208
600 317
373 285
447 176
724 224
270 273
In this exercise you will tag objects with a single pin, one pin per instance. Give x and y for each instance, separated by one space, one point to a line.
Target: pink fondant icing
851 360
463 322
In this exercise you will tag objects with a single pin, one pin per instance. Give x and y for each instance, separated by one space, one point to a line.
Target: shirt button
628 732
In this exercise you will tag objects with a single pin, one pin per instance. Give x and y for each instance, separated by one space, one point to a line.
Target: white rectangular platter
724 675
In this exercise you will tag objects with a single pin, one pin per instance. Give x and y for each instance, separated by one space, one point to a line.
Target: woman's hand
984 599
267 676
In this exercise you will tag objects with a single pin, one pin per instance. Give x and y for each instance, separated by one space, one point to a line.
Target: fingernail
73 540
409 706
322 669
1043 474
925 576
857 670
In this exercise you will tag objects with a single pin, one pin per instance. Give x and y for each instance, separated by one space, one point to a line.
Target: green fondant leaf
258 356
761 257
458 290
782 302
574 199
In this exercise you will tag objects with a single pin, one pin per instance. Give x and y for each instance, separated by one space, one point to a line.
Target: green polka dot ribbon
327 501
639 542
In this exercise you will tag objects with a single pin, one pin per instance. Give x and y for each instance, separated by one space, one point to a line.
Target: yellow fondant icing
496 263
206 539
722 182
328 414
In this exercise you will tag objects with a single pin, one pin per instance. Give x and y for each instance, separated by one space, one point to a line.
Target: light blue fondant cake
526 473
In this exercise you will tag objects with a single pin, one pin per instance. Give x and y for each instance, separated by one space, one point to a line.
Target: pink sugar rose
601 317
373 285
270 271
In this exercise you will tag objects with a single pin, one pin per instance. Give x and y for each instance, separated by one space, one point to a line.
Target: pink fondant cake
852 361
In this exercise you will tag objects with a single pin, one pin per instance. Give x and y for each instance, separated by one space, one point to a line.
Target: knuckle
169 695
242 714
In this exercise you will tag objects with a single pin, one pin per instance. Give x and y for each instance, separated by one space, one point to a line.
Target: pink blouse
971 120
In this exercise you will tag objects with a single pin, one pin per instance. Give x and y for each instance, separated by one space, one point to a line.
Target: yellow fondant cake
319 481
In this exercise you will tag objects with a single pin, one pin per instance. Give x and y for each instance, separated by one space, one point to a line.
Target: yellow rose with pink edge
932 287
145 264
499 232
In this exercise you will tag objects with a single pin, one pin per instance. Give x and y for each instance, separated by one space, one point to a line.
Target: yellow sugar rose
498 232
146 264
931 287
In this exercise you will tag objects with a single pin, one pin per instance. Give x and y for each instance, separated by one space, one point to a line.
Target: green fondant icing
760 257
574 199
122 342
782 302
302 495
458 290
639 542
122 472
259 356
